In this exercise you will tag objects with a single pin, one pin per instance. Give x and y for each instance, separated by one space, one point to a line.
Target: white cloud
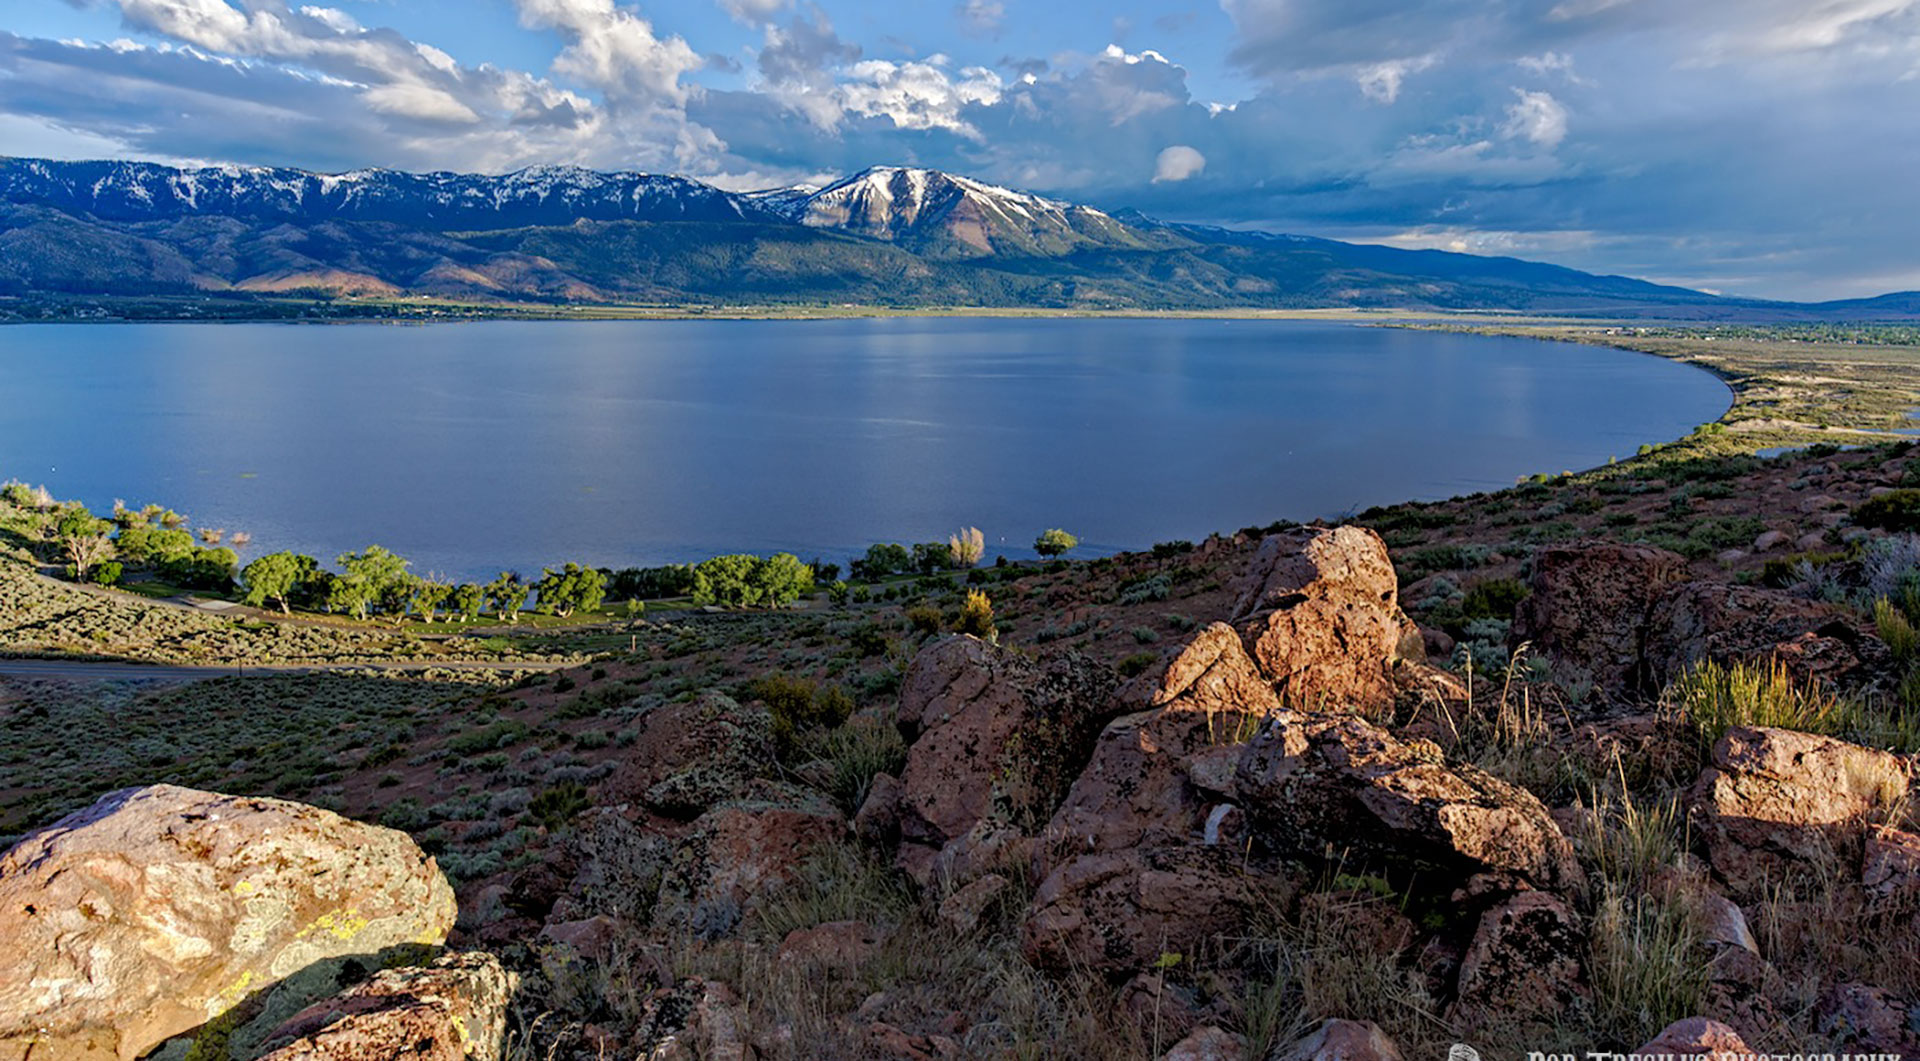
1178 163
1380 82
1537 117
333 18
754 12
919 95
613 50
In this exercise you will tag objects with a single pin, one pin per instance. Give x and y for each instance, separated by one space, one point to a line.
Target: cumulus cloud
612 49
1178 163
981 18
1538 117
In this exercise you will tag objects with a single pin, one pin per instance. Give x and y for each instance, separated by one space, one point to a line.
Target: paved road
85 670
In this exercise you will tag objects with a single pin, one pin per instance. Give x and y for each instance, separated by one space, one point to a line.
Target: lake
475 447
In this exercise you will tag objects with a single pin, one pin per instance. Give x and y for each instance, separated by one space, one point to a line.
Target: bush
1897 511
105 573
924 619
798 706
1053 542
976 617
557 805
857 751
745 581
1136 663
1493 599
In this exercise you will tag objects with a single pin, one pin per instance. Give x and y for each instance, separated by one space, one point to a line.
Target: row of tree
959 552
376 580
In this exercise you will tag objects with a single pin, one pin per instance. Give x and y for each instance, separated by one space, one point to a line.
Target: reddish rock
1161 1010
694 1020
735 856
1208 1044
1526 962
1869 1019
1212 672
835 944
878 819
1629 619
1890 867
158 909
1310 783
888 1043
1700 1038
1119 912
1777 802
961 911
689 756
997 741
1590 606
452 1010
590 939
1342 1040
1318 610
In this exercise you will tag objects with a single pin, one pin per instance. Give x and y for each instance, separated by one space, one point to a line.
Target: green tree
467 600
929 557
146 543
745 581
429 594
1054 542
508 594
375 575
396 596
84 538
349 596
781 579
277 577
883 559
571 588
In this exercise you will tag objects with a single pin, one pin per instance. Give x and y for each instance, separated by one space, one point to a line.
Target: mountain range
886 236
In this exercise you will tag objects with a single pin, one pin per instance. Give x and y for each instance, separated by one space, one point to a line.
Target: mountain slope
887 236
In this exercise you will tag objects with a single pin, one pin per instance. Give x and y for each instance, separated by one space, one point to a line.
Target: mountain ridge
886 235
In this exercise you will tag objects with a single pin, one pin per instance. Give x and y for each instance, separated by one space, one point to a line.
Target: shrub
1713 698
1897 631
967 547
558 804
856 752
1054 542
1493 599
976 617
105 573
1897 511
1141 591
924 619
1136 663
798 706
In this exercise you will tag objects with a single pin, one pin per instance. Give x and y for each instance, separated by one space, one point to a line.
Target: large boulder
1208 1044
1314 783
1629 618
160 909
1776 803
1525 963
689 756
452 1010
996 741
1139 787
1318 609
1697 1037
1591 606
733 857
1119 912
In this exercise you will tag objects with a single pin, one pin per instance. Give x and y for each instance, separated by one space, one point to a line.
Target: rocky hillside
1218 801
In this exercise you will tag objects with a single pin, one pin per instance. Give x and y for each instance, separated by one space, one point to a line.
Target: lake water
480 446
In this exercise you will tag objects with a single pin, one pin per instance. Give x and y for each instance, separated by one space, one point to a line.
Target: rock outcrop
1318 609
1776 803
734 856
1341 1040
1629 618
1311 784
1526 963
995 741
159 909
452 1010
689 756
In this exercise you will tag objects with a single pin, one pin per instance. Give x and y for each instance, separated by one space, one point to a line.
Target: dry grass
1713 698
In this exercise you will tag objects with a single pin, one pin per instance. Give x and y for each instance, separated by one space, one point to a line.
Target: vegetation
1054 542
745 581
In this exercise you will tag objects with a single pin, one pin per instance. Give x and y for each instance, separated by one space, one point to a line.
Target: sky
1764 148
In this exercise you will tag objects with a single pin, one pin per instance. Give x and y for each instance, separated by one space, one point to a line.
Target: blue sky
1756 147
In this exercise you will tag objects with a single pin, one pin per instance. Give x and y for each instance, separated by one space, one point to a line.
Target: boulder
1310 784
159 909
1208 1044
835 945
878 819
694 1020
734 856
1590 606
688 756
996 741
961 911
1698 1037
1629 619
452 1010
1525 962
1890 868
1341 1040
1319 613
1118 912
1160 1010
1869 1019
1777 803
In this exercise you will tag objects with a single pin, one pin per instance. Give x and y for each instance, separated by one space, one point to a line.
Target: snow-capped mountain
543 195
948 215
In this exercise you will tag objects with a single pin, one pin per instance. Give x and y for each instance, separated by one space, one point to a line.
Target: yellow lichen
341 925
